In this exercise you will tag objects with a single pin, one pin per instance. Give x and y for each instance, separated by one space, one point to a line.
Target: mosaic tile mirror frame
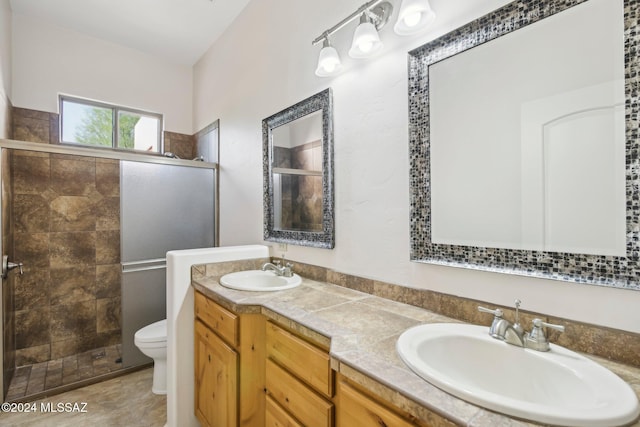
615 271
309 221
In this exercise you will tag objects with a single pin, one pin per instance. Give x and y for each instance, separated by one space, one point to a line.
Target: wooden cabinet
358 408
239 357
216 379
229 366
299 379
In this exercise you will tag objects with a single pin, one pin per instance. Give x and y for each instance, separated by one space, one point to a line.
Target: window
99 124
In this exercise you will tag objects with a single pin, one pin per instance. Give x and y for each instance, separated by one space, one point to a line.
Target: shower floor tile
42 377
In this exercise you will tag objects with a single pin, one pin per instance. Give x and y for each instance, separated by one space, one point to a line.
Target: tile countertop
361 331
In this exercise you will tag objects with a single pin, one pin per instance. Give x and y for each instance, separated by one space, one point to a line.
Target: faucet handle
497 312
536 339
8 265
287 270
495 330
538 323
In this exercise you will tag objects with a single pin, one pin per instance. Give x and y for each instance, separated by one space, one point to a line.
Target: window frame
115 135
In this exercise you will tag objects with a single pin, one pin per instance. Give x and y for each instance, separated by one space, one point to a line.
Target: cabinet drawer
358 410
303 403
304 360
218 318
278 417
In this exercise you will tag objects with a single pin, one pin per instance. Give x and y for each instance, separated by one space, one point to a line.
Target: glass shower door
163 208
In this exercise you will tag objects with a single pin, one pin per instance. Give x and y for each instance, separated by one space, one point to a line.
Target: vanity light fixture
366 41
414 16
329 60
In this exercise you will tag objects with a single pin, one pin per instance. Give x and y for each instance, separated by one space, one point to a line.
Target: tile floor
119 402
62 373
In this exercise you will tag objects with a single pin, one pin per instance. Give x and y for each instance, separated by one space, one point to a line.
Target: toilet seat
153 333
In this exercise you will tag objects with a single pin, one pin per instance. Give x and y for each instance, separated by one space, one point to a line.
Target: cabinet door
216 364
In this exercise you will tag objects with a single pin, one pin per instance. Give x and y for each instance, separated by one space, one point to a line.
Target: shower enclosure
164 207
69 318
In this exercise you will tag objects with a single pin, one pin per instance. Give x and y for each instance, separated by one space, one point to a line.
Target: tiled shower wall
66 231
66 212
8 285
308 198
282 159
35 126
301 195
183 146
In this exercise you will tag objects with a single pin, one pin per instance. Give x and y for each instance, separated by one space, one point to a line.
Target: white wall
265 62
5 66
48 60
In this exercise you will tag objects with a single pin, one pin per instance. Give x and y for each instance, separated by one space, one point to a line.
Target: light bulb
412 19
328 61
414 16
366 40
366 46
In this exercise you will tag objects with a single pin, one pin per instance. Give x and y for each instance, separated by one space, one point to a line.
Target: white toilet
152 341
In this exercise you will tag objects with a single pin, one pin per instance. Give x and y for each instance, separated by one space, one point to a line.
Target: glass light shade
328 61
414 16
366 41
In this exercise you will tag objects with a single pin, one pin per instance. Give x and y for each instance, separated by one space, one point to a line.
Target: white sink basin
258 280
557 387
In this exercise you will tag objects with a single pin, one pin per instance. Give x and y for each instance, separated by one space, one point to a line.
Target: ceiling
178 30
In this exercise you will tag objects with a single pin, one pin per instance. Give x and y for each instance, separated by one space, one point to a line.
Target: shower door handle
8 265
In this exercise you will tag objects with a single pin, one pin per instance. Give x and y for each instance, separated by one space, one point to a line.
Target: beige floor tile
122 401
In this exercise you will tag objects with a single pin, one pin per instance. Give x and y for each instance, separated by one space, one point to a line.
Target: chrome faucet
513 333
504 330
286 271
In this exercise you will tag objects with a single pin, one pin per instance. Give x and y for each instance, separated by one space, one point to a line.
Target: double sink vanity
317 354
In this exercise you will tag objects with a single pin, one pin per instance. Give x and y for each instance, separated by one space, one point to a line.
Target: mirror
524 154
298 173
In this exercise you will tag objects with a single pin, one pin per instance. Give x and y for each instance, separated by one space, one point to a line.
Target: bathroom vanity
326 356
273 371
229 360
273 376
